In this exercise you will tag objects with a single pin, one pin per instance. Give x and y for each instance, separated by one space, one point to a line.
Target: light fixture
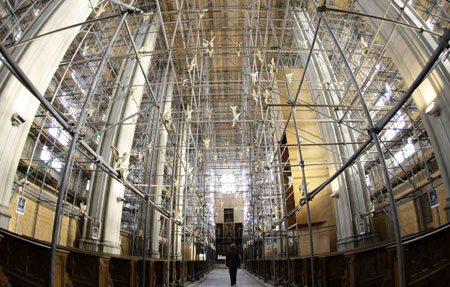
17 120
432 109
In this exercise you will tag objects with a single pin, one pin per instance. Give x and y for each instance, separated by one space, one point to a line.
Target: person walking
233 262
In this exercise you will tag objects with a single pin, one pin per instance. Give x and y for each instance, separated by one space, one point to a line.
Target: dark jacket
233 259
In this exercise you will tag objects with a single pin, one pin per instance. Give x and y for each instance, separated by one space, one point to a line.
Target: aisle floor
221 278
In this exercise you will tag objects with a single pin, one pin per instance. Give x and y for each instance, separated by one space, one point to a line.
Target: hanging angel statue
254 77
189 173
259 56
267 96
167 117
235 115
303 44
363 45
289 77
238 47
201 13
100 9
302 188
206 142
192 65
291 180
199 156
188 113
272 68
178 216
255 96
120 162
209 45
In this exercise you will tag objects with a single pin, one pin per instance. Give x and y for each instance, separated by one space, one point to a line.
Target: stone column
158 175
39 60
351 194
410 51
107 194
178 208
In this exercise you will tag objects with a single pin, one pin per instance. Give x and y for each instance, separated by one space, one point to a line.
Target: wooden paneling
25 262
427 261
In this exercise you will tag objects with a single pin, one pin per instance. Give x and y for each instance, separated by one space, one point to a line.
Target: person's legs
233 272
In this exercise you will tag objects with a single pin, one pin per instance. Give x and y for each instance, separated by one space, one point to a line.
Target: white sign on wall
94 232
21 201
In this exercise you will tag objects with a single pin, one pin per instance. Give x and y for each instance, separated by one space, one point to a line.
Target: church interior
139 139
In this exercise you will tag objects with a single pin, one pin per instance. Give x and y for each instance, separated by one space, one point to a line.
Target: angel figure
270 158
259 56
199 156
256 165
215 157
235 119
201 13
209 45
340 85
189 173
255 96
188 113
346 31
267 97
83 208
241 155
363 45
100 9
210 113
91 111
303 44
206 142
183 84
192 64
235 115
238 47
85 48
289 77
272 68
120 162
178 216
291 180
167 116
302 189
140 157
254 77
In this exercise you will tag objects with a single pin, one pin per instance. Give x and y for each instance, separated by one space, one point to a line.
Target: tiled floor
221 277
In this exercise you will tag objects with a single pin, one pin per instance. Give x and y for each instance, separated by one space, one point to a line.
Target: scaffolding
256 87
